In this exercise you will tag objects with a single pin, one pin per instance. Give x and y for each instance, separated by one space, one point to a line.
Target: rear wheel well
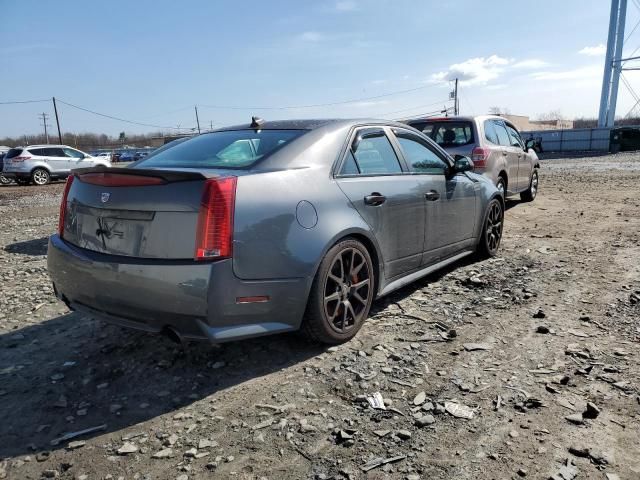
373 253
503 175
40 168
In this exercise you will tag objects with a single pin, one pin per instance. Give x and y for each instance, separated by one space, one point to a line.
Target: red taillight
21 158
480 155
119 180
214 236
63 205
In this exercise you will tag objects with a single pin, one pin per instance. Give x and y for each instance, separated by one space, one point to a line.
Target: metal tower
612 63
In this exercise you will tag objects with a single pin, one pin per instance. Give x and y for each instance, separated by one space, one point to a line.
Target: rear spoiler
167 176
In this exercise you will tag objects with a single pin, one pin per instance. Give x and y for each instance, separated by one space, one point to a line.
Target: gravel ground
525 365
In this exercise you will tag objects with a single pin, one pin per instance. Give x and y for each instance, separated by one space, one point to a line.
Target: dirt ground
539 346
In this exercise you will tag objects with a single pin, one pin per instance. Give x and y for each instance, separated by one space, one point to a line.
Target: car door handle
432 196
375 199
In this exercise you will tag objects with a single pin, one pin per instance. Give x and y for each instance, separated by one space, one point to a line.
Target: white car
104 156
42 163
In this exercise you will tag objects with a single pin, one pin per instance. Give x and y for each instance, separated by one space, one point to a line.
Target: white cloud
596 51
479 70
530 63
310 37
579 73
346 6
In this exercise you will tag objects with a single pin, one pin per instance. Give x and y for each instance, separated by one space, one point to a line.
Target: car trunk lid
140 213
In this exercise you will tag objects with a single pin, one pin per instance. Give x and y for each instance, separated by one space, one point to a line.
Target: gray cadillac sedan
268 227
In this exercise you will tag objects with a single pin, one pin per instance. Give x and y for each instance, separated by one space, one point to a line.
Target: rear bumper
197 300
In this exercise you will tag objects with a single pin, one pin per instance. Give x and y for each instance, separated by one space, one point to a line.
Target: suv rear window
228 149
448 134
14 152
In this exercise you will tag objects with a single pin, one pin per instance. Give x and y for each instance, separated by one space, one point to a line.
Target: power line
329 104
23 101
412 108
427 114
121 119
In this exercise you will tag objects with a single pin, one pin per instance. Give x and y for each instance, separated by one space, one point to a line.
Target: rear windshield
230 149
448 134
14 152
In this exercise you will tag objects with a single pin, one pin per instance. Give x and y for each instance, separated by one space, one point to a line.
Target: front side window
226 149
70 152
420 158
374 154
516 141
56 152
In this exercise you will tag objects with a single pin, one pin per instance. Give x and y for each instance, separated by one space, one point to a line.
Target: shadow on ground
71 373
37 246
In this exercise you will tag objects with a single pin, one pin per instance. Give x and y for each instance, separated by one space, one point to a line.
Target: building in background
523 123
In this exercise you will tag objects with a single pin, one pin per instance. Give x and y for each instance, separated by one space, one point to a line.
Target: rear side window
374 154
40 152
501 132
490 132
229 149
14 152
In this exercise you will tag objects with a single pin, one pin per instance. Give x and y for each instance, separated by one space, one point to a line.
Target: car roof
48 145
311 124
456 118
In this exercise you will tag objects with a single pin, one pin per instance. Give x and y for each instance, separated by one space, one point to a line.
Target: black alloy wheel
341 294
492 229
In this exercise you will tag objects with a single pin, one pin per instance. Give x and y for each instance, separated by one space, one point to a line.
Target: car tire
341 294
530 193
491 230
4 180
40 177
501 185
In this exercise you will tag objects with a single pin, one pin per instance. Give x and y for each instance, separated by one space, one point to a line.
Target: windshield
228 149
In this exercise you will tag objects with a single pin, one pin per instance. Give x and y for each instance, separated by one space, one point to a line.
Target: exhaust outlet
173 335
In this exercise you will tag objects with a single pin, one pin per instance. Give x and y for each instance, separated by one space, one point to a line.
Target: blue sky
151 61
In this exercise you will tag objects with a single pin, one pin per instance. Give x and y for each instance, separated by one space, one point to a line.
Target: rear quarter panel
276 236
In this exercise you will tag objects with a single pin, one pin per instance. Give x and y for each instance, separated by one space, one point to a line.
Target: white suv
42 163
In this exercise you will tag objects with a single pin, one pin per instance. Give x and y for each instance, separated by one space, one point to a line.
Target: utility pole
44 118
455 99
612 63
197 119
210 124
55 109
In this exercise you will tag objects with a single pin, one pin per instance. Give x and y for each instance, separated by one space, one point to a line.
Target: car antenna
256 122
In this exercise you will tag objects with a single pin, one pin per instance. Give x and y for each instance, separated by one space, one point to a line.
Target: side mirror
462 164
529 144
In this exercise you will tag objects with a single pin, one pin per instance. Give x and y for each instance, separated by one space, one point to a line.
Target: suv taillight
63 205
480 155
214 235
21 158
